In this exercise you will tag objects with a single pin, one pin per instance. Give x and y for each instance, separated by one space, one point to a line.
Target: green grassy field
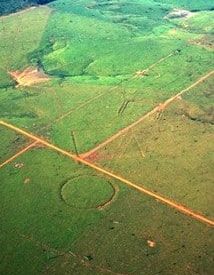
40 228
109 63
10 143
162 152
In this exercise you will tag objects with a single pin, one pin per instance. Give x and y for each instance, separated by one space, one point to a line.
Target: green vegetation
191 5
18 38
8 6
41 229
90 48
108 63
32 209
10 143
163 151
90 186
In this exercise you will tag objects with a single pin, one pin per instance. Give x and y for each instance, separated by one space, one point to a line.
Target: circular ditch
88 192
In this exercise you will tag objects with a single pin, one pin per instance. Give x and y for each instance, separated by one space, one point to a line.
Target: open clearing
28 77
166 148
106 138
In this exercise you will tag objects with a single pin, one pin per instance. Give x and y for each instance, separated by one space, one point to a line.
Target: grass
71 57
40 106
115 238
28 211
11 6
191 5
122 240
10 143
198 23
182 137
46 172
51 222
89 186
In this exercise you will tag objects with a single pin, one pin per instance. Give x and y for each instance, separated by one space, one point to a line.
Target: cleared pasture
109 63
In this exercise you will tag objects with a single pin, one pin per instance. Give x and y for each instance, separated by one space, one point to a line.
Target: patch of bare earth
179 13
96 156
141 73
205 42
28 77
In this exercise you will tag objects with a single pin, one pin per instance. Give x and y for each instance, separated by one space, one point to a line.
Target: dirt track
155 110
22 151
159 198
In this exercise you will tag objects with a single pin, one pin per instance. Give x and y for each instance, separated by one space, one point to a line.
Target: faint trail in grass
72 110
173 204
122 152
22 151
79 107
138 146
60 253
145 71
158 109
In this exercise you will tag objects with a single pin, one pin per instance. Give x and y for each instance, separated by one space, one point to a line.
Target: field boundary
60 253
78 107
72 110
22 151
157 109
19 12
150 67
181 208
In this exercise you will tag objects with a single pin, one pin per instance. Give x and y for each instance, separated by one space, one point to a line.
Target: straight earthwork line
73 110
78 107
156 109
172 204
148 68
22 151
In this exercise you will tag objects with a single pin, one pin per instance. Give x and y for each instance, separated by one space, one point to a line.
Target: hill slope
8 6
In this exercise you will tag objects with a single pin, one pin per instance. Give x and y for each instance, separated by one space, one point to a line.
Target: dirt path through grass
157 109
22 151
183 209
60 253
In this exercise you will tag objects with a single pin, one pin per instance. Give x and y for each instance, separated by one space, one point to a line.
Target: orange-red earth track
22 151
156 109
160 198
